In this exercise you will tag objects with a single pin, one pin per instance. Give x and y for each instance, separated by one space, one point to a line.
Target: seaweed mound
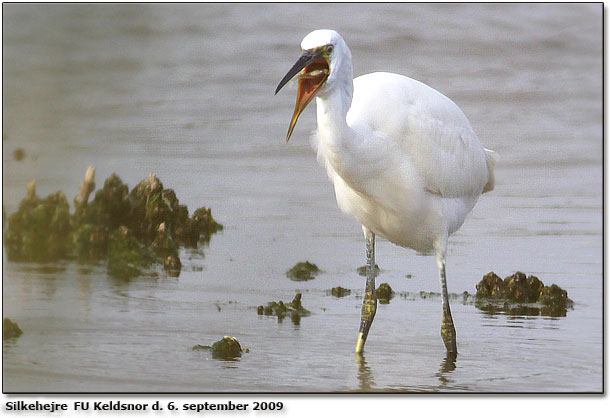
281 310
522 289
19 154
555 300
339 292
521 294
226 349
303 271
384 293
132 230
40 230
10 329
362 270
491 286
127 257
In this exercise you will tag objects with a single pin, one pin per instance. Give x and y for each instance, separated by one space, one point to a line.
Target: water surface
187 92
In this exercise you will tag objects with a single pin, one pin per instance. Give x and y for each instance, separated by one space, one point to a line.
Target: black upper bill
306 58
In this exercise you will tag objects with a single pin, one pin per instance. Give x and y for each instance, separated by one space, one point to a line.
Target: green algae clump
303 271
127 257
172 266
199 228
522 289
362 270
491 286
40 230
521 295
553 295
153 205
132 230
555 301
19 154
280 309
10 329
339 292
199 347
228 348
384 293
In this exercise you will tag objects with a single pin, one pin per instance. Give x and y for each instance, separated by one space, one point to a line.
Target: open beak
314 69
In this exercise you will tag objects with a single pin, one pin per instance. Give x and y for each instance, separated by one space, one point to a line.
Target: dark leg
369 304
447 327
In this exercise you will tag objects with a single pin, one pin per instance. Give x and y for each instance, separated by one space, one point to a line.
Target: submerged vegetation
339 292
518 294
10 329
281 310
228 348
303 271
18 154
384 293
132 230
362 270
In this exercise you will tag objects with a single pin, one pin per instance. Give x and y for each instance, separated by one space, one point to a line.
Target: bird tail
491 157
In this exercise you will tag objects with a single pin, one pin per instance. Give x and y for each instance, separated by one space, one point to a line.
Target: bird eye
329 49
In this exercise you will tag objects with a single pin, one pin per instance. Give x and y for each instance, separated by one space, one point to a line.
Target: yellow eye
329 49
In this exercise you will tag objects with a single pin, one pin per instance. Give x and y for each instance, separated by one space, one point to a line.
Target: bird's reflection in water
447 366
365 376
367 383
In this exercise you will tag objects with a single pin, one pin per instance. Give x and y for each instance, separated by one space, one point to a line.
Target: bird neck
337 140
332 108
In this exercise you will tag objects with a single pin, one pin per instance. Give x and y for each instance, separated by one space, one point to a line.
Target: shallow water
187 92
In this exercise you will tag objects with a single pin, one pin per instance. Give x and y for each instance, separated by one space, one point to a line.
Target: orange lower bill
310 80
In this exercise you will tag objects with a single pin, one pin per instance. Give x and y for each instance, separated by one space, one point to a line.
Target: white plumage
403 158
409 166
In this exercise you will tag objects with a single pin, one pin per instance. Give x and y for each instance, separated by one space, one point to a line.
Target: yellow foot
360 343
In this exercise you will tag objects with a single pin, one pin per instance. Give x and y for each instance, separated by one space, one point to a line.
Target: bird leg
447 327
369 304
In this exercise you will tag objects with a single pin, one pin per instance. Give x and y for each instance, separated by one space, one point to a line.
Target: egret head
325 60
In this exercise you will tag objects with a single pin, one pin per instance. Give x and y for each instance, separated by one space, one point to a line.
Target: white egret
403 158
